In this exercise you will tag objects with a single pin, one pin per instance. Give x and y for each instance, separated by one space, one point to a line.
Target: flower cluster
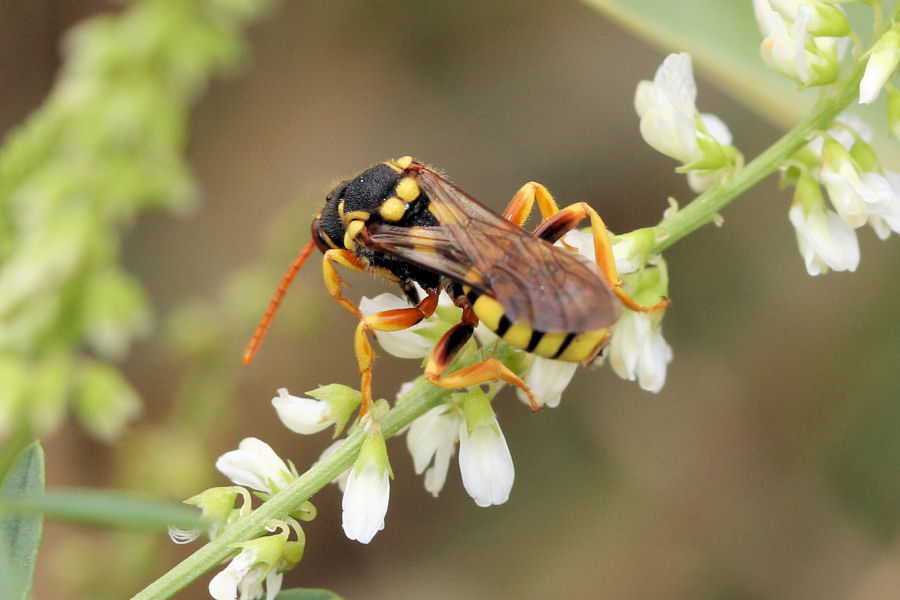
802 40
860 190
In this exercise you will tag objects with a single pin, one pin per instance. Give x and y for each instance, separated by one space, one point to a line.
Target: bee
404 222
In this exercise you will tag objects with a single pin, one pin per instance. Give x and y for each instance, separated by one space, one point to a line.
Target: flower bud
883 60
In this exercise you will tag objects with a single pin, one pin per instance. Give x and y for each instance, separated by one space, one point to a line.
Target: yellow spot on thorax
408 189
392 209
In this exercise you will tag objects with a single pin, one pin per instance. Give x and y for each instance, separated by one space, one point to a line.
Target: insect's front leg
565 220
386 320
489 369
333 281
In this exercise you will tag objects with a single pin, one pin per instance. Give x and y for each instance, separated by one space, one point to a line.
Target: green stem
706 206
421 399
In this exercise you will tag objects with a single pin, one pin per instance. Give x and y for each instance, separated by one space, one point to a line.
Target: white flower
629 258
547 379
637 350
255 465
667 110
853 194
825 19
881 65
302 415
886 217
762 10
805 59
485 462
405 343
431 440
825 240
366 495
243 579
260 560
785 52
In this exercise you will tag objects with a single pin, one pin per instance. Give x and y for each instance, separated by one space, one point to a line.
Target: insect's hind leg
489 369
565 220
523 202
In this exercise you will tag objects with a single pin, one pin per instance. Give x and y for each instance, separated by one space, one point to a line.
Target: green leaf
307 594
20 535
108 509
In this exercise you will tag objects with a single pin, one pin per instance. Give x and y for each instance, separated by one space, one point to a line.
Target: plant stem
421 399
706 206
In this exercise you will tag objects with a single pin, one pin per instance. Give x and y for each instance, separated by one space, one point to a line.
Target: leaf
307 594
20 535
108 509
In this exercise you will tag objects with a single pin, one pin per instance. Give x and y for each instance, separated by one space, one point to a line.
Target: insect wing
550 288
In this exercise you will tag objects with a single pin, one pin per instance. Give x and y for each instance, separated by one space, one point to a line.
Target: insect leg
556 226
333 281
489 369
386 320
520 206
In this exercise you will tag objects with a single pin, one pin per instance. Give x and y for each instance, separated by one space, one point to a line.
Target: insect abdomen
572 346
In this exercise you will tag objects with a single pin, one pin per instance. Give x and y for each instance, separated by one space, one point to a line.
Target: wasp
404 222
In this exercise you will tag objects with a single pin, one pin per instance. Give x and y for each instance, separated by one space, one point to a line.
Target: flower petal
255 465
301 415
485 463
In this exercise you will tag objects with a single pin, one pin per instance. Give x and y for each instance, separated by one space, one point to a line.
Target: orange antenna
266 321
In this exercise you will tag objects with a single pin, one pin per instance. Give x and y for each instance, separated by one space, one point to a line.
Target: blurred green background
769 465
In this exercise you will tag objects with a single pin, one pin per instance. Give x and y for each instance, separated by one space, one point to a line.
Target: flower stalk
422 398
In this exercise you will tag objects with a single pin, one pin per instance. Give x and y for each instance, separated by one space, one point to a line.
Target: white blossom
252 573
367 491
885 218
796 54
302 415
881 65
854 194
637 350
485 462
667 109
547 379
255 465
431 441
825 240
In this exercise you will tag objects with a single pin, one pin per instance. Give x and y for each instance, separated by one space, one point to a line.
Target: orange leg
489 369
333 281
523 202
565 220
386 320
520 206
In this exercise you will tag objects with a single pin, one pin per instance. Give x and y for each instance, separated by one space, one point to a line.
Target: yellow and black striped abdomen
572 346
